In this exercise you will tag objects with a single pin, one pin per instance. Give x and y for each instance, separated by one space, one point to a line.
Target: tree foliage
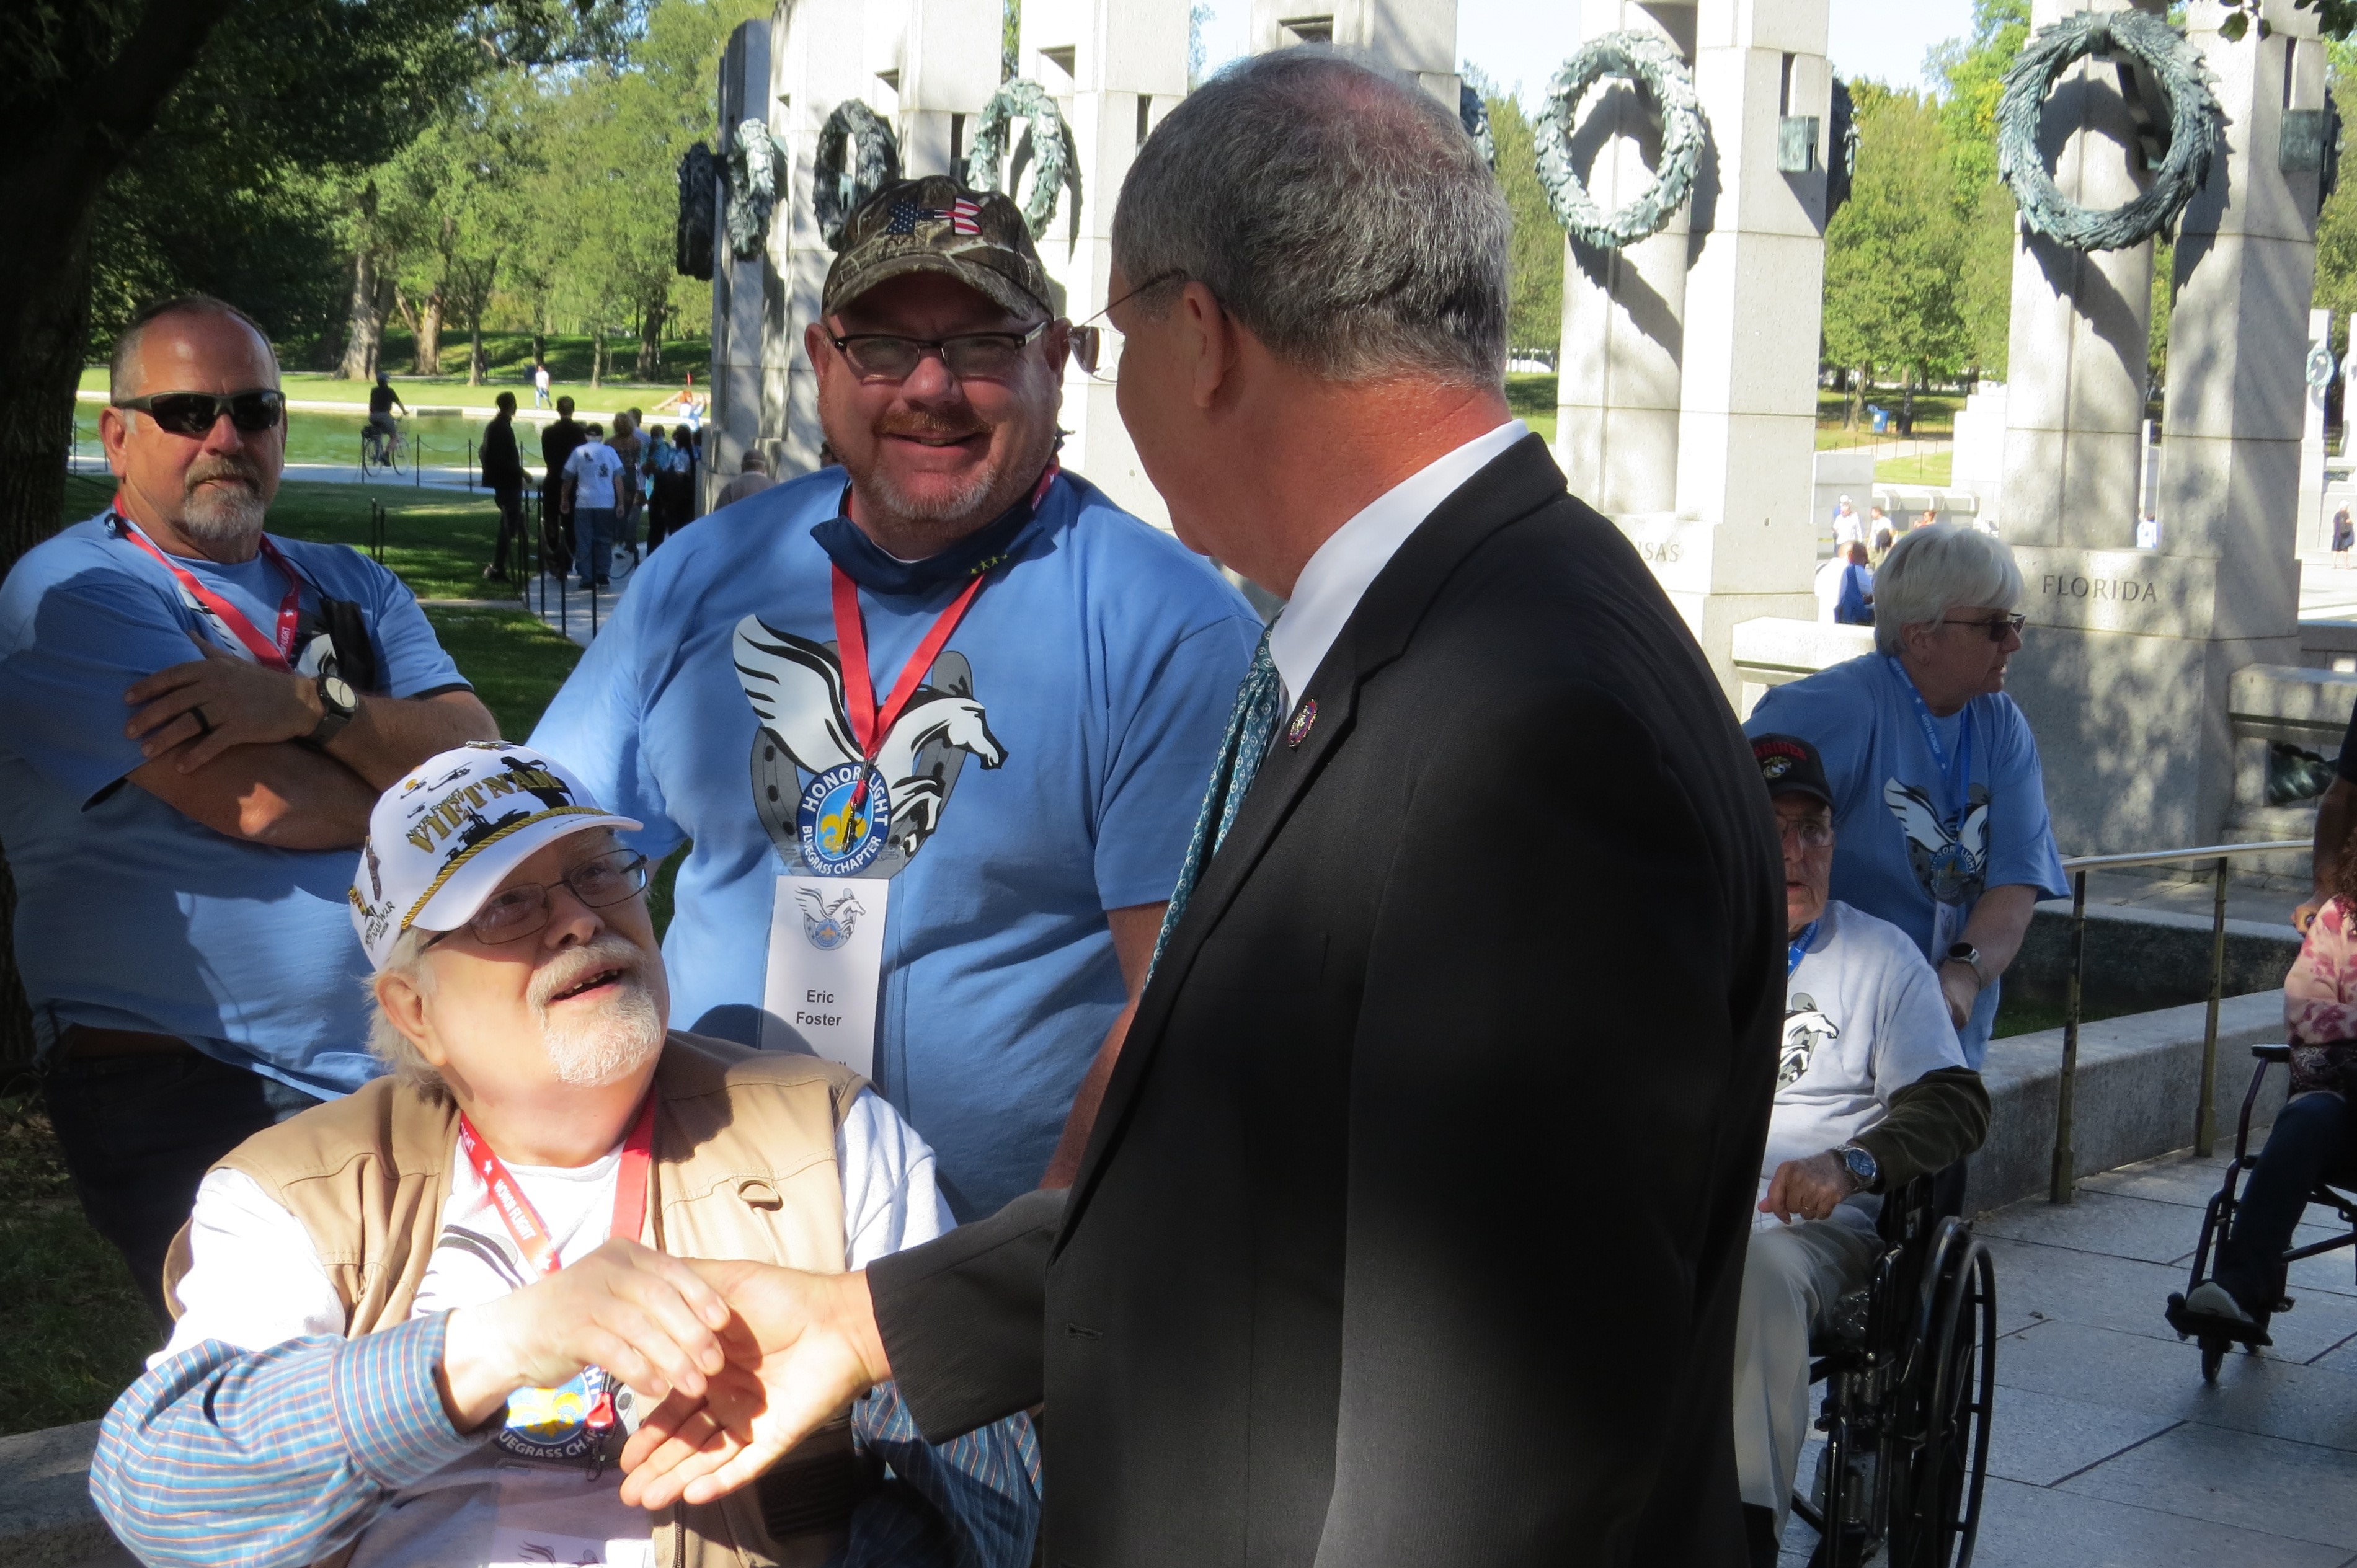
1534 258
1895 251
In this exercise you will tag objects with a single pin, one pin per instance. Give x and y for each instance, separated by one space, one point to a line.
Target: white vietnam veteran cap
442 840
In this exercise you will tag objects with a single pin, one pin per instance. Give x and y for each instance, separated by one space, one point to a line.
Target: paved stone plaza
2110 1452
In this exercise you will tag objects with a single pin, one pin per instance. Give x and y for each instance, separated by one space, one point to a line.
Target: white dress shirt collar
1336 577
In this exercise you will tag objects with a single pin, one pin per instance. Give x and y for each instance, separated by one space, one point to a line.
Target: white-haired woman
1940 803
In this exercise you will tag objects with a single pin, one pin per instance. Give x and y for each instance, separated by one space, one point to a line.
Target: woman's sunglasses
195 414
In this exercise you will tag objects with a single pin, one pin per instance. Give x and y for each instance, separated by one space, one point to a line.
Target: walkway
2109 1451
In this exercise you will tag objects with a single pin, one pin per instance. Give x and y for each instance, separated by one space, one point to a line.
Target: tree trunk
429 336
1857 395
475 352
539 344
597 357
651 326
364 329
63 158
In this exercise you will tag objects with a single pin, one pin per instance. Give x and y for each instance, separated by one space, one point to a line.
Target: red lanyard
871 724
523 1221
278 655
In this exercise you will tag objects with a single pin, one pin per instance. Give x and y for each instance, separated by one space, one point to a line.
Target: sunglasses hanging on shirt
195 414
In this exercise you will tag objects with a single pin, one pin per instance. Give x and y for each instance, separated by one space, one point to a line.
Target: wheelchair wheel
1936 1519
2213 1355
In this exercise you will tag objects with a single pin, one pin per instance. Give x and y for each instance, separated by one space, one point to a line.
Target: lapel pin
1303 717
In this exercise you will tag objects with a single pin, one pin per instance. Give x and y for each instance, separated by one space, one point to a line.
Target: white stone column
744 292
1623 311
1114 68
937 67
1741 542
1412 40
2125 677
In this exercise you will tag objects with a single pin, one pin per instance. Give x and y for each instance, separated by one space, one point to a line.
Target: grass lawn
452 391
1531 397
1926 468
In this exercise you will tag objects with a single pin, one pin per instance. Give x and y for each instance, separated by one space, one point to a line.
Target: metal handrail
2063 1176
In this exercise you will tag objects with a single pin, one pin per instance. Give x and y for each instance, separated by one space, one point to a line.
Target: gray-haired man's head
1345 220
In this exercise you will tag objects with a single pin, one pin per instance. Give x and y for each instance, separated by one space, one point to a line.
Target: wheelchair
1909 1372
2214 1336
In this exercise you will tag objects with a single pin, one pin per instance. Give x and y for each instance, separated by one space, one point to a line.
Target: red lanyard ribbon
278 654
871 724
530 1233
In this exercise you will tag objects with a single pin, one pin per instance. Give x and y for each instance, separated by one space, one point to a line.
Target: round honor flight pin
842 828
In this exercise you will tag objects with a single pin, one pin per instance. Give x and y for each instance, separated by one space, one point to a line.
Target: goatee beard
221 514
594 1046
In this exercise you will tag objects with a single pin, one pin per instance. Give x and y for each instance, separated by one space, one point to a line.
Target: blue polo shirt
130 915
1098 665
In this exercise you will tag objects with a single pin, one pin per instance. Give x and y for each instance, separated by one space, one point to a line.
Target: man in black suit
1411 1227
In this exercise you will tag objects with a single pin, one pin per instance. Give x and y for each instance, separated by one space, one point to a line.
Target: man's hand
1808 1188
218 702
1961 987
800 1349
650 1320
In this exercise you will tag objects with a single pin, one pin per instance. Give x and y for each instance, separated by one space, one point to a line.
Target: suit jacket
1412 1228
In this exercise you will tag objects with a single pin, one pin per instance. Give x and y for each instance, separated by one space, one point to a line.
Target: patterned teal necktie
1252 725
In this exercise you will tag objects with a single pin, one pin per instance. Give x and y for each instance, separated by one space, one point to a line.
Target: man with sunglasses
419 1323
1937 789
937 720
195 718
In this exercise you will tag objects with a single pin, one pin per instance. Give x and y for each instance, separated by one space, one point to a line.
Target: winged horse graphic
795 686
1948 862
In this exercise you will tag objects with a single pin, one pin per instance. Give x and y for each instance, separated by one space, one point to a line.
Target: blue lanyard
1800 947
1955 781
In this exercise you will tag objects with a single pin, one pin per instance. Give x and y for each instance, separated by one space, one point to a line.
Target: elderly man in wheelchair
1872 1096
2312 1149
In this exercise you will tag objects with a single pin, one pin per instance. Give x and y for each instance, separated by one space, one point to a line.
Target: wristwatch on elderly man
338 702
1970 957
1863 1170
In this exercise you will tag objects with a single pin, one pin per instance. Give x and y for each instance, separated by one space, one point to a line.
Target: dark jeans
2314 1139
140 1132
555 538
593 542
511 498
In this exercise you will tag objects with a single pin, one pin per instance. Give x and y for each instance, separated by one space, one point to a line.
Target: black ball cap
1790 766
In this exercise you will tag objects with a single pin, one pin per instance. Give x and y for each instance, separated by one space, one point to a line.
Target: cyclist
384 431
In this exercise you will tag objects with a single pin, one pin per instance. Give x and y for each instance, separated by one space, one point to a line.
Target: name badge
826 968
513 1547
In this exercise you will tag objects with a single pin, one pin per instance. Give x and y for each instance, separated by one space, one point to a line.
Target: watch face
339 694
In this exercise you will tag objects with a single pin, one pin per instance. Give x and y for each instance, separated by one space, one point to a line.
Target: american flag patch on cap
966 217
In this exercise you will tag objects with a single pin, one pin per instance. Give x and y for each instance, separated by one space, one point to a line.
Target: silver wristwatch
1862 1168
340 703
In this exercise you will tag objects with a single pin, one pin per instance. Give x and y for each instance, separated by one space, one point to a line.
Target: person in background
1853 597
2315 1134
1871 1092
629 448
383 400
1847 528
1877 535
1938 793
503 475
672 502
195 718
2344 533
539 384
591 475
409 1361
1035 689
2335 820
752 478
1929 517
558 441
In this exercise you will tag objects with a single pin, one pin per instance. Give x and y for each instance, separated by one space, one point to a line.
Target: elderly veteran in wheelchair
415 1326
1871 1092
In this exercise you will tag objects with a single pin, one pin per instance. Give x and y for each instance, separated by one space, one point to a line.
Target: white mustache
571 967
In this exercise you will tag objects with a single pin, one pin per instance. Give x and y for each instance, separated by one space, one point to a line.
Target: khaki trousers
1793 1275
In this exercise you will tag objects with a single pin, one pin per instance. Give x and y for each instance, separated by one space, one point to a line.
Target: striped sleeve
271 1458
973 1500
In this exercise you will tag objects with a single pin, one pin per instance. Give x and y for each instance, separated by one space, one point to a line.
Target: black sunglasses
195 414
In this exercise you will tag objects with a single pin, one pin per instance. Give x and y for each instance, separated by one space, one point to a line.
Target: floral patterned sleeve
2321 991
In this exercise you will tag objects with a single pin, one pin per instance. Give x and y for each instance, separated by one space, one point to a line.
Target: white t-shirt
1849 527
533 1494
593 467
540 377
1863 1019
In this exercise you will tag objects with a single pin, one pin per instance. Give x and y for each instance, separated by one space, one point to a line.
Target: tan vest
744 1168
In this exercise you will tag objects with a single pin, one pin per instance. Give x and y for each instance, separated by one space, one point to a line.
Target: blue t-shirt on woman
1906 848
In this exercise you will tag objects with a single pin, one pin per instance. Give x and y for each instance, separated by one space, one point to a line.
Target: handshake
745 1359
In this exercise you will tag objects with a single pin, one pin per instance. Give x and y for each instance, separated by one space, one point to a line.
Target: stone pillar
2312 532
1741 541
1623 311
2126 674
1412 40
744 293
938 71
1114 68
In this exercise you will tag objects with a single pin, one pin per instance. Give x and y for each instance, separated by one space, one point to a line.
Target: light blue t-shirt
1903 847
129 915
1100 662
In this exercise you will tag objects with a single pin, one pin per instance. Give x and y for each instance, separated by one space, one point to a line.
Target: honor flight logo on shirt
828 811
1949 859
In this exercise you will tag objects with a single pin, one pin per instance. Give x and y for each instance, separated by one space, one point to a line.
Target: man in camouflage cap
987 805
